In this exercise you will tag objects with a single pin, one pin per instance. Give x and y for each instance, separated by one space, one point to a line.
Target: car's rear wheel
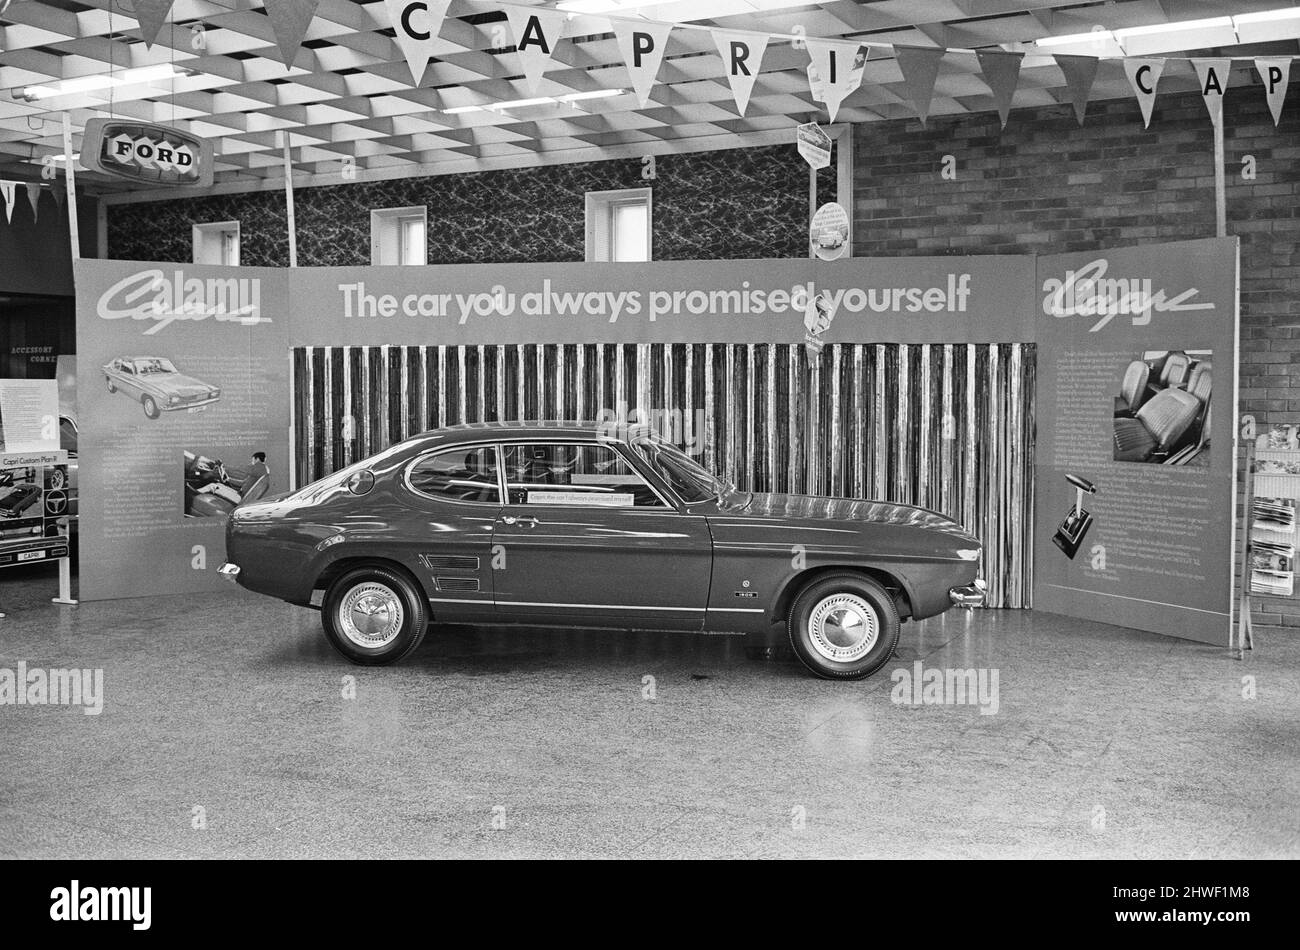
843 626
150 407
374 615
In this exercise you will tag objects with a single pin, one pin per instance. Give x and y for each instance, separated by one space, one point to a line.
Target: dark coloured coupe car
573 524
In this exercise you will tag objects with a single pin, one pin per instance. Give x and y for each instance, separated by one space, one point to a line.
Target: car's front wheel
374 615
843 626
150 407
111 388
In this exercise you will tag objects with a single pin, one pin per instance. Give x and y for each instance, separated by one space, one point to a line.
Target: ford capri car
157 385
569 524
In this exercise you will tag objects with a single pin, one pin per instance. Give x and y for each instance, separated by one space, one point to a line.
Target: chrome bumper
229 571
972 595
176 407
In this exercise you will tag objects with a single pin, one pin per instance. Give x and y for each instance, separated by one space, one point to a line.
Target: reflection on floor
494 743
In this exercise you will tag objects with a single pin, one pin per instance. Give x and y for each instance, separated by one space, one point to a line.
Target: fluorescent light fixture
127 77
598 6
63 158
539 101
1268 25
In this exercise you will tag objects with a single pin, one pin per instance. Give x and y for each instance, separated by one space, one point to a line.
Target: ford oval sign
150 154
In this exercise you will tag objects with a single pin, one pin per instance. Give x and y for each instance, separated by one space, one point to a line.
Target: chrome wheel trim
843 627
370 615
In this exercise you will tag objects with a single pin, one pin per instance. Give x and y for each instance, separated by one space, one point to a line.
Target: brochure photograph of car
158 386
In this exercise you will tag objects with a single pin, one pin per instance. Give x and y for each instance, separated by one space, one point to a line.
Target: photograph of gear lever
1070 534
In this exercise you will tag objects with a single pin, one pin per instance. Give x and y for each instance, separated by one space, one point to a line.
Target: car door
583 538
455 493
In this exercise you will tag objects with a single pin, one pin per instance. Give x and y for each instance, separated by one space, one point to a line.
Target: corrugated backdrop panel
946 426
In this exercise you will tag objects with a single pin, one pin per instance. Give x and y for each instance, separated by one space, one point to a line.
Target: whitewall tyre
843 626
374 615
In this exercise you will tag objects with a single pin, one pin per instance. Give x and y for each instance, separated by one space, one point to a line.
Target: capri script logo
162 299
1089 292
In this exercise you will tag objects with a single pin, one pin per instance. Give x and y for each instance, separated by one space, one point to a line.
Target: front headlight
969 554
174 400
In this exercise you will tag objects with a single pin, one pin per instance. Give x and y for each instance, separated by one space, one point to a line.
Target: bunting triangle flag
34 198
1080 72
1001 72
8 192
642 46
59 195
1144 76
416 23
151 14
1275 72
742 58
834 71
920 68
290 20
1213 75
536 31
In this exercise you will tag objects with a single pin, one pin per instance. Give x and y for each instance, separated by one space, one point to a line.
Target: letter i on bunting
642 46
536 31
834 71
416 23
8 192
1275 72
1144 76
742 56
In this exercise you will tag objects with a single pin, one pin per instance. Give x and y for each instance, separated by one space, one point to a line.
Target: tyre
374 615
111 387
150 407
843 626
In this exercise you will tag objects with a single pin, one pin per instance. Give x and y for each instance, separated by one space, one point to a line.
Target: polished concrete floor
520 743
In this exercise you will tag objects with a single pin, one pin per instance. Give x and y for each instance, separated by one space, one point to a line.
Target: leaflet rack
1270 534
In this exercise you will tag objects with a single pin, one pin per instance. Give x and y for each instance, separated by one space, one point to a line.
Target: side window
464 474
128 368
552 473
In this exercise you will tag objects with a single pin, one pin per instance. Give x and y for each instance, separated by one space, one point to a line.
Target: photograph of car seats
1077 521
1162 412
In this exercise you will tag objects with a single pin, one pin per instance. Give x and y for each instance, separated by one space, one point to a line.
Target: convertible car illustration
158 385
571 524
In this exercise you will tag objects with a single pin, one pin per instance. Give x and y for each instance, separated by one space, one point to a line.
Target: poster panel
1136 453
36 499
181 378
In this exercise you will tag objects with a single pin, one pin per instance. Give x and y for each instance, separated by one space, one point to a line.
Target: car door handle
523 522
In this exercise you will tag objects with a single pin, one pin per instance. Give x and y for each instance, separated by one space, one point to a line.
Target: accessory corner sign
141 152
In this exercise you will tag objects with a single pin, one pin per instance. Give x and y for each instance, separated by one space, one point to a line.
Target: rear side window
464 474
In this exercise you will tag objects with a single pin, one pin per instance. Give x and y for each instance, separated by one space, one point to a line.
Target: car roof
537 428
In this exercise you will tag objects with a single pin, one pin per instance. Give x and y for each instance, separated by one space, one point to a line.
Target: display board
220 338
36 495
181 377
1136 484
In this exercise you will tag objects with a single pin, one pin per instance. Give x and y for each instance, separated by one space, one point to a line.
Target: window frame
600 207
201 235
615 447
386 235
442 450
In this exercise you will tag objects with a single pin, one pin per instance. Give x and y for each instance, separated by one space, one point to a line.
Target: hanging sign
920 68
416 24
642 46
536 32
834 71
1143 76
1213 76
830 231
814 144
1275 71
742 56
156 154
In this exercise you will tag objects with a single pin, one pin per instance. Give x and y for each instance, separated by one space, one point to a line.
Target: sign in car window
593 499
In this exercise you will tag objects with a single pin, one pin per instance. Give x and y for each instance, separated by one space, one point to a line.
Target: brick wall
1045 185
